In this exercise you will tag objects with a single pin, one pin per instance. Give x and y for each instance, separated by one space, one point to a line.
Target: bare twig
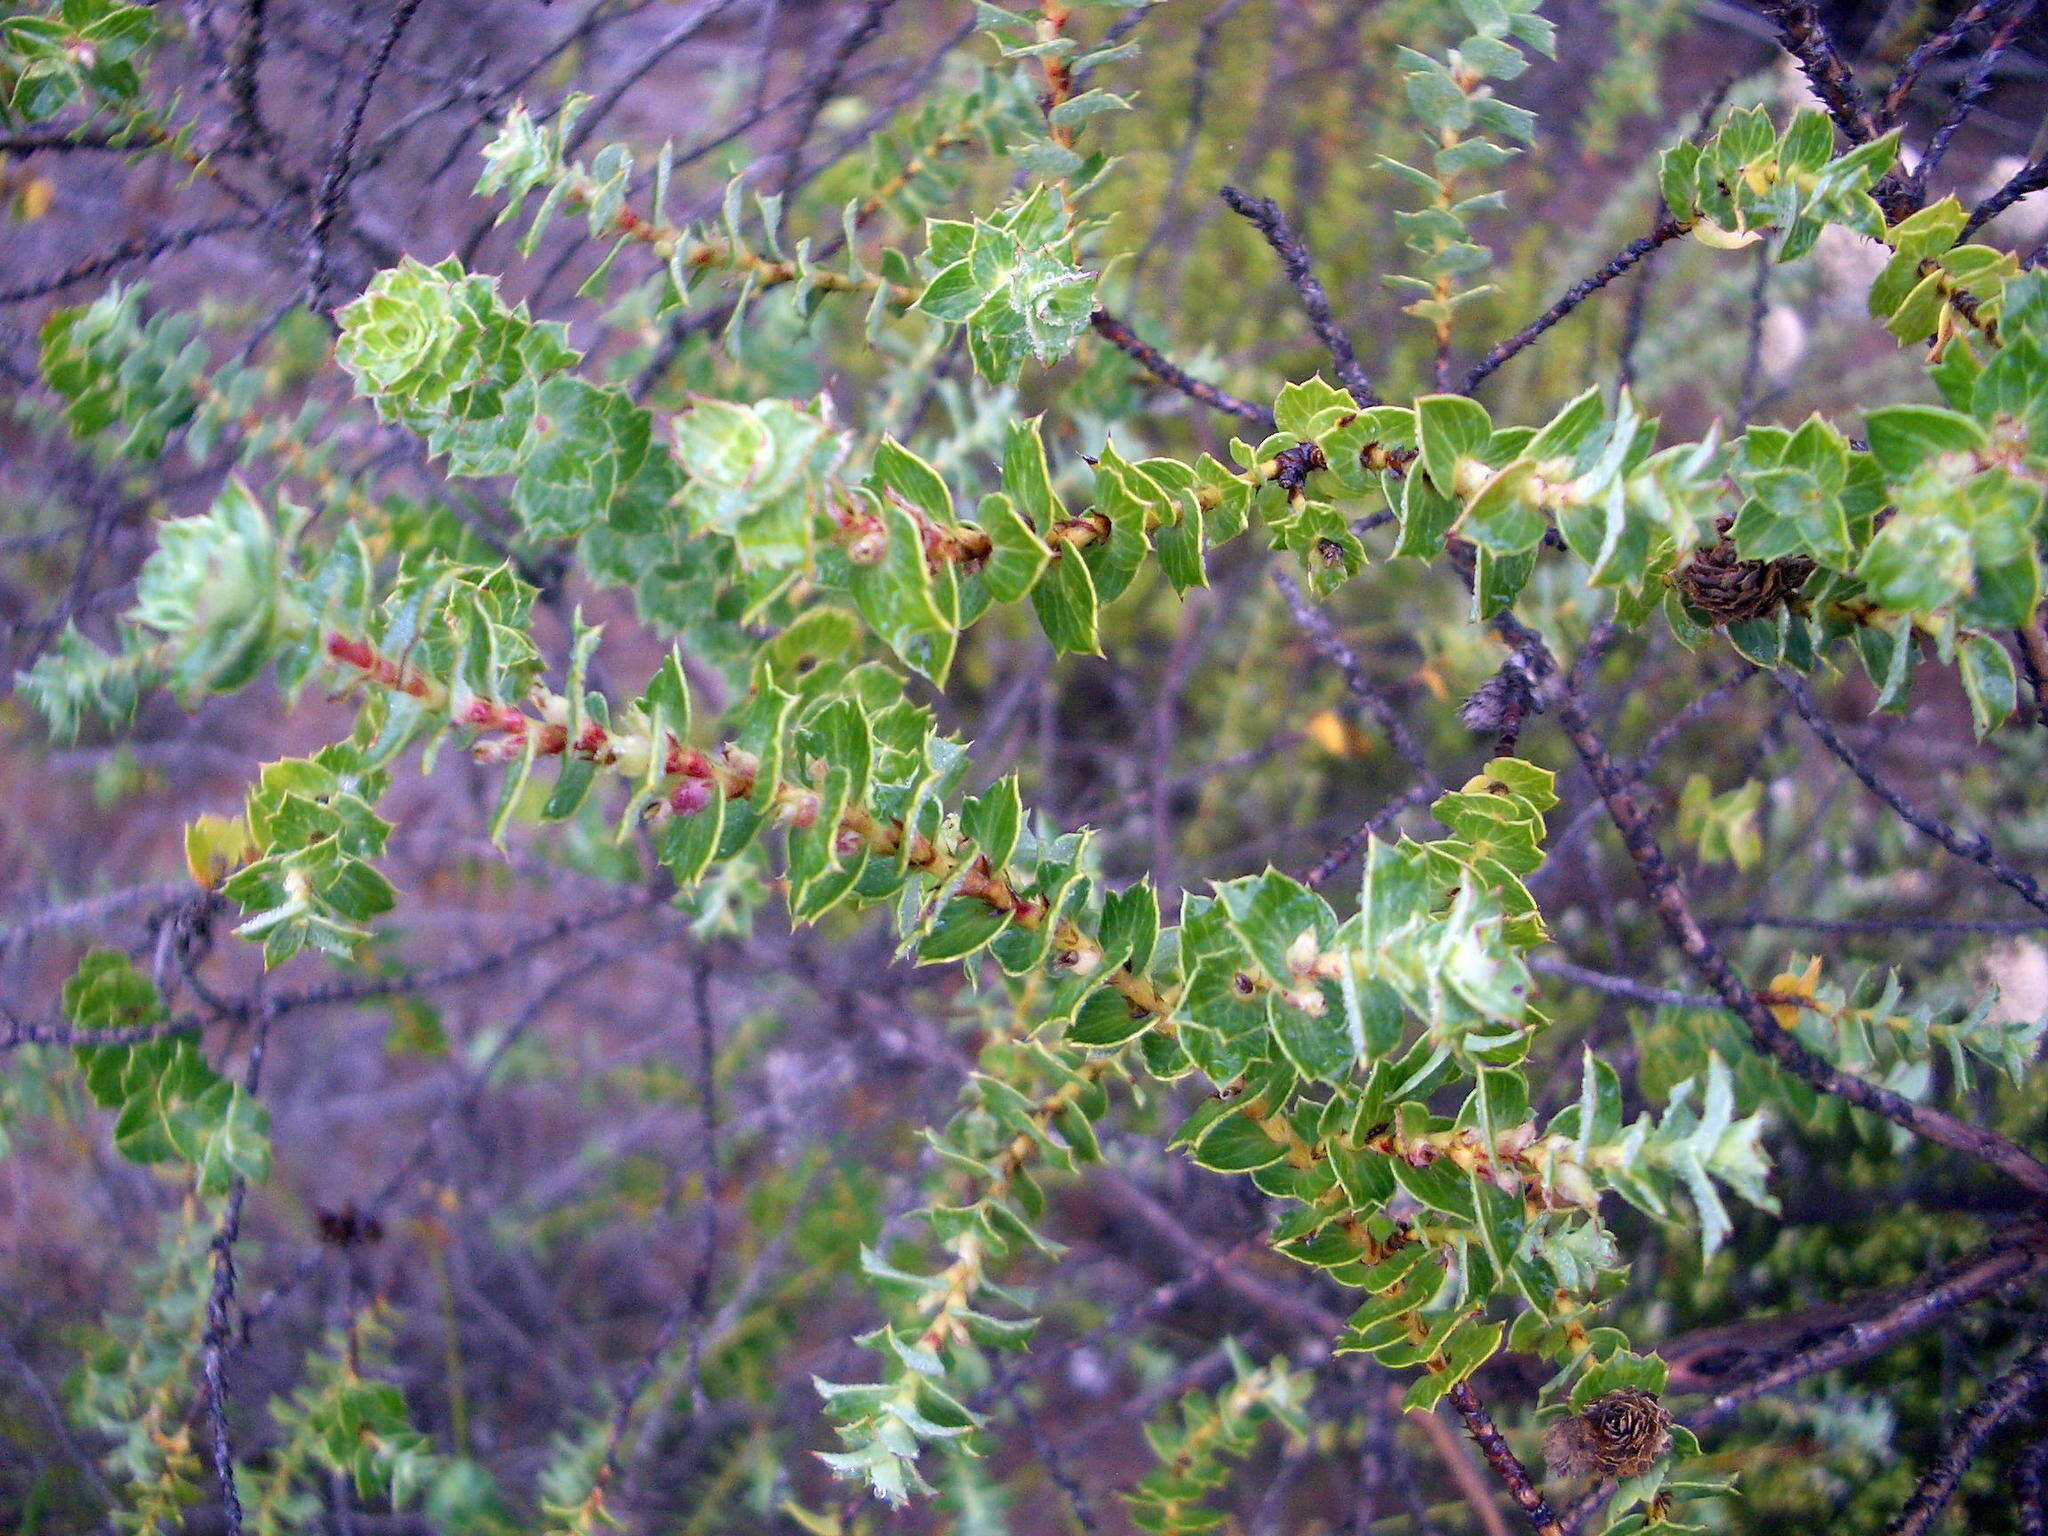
60 1427
1931 47
1127 341
2027 180
1619 986
220 1301
93 909
1849 1337
1499 1456
1373 826
1674 910
132 252
1753 345
693 22
1057 1467
340 165
356 990
819 85
696 1301
1332 648
1972 92
2006 1396
2003 1265
2030 1489
1973 846
1666 230
242 76
1885 925
1456 1456
2031 641
1801 34
1266 217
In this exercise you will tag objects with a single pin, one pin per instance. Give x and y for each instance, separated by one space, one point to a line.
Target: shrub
734 585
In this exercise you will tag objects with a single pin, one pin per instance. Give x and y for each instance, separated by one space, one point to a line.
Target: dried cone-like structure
1618 1435
1728 589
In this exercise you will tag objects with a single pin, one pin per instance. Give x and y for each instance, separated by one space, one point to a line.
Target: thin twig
1666 230
243 77
1127 341
1619 986
1802 34
144 250
2003 1265
2030 1489
696 1301
459 1100
334 184
117 140
1753 345
2024 182
1332 648
1266 217
2006 1396
1972 92
60 1427
1674 910
220 1301
1057 1467
1455 1453
1883 925
600 109
1499 1456
1194 114
356 990
1973 846
1632 319
1373 826
1932 47
819 86
93 909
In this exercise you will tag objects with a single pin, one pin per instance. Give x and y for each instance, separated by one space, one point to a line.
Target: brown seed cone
1728 589
1618 1435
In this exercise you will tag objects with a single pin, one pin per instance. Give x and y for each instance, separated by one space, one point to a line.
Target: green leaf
1018 556
1902 437
900 598
994 819
964 926
900 472
236 1142
1450 429
1066 606
1504 517
1235 1145
1989 680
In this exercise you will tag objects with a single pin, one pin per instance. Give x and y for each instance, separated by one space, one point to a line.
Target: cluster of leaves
1470 131
438 350
150 375
529 156
764 497
343 1423
1865 1025
1008 281
1262 988
1749 179
135 1383
72 53
1205 1429
169 1105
